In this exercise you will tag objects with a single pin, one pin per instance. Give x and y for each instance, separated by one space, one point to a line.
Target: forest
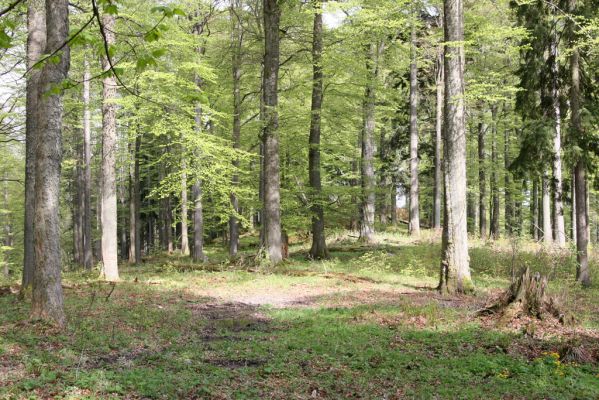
299 199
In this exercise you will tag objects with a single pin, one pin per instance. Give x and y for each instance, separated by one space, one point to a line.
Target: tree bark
495 230
88 258
76 210
580 181
319 247
36 43
558 212
237 41
135 204
270 135
438 143
7 240
367 167
482 181
546 202
184 211
110 270
455 269
534 210
198 224
414 226
47 300
509 202
573 203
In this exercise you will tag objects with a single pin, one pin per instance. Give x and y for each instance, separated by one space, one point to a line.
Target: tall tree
47 300
36 43
482 180
184 210
414 182
455 268
367 167
580 181
110 269
494 230
546 207
319 247
237 43
135 202
270 134
87 174
558 212
438 185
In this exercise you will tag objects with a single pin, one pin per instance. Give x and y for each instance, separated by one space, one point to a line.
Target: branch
10 7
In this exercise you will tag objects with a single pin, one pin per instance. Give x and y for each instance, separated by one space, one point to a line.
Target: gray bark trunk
546 202
319 247
455 269
36 43
47 300
437 190
558 212
198 224
534 210
88 259
367 166
237 41
580 182
110 269
482 181
184 231
509 204
494 232
270 135
135 204
573 204
414 226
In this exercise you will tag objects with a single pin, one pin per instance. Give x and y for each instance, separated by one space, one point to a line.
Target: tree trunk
110 269
169 226
135 204
7 228
36 43
509 204
237 41
438 143
580 181
88 258
558 212
184 231
47 300
367 170
455 269
534 210
546 201
573 204
76 210
494 231
270 135
414 226
319 245
482 181
198 224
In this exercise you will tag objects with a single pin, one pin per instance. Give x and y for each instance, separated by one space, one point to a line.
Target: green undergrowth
172 329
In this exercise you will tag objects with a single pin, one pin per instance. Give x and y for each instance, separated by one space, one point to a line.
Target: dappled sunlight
364 324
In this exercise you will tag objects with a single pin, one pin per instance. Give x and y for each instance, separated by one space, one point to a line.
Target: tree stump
527 296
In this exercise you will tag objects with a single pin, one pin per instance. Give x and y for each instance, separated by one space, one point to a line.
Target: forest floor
365 324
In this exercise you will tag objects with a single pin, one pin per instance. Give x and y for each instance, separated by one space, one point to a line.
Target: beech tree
270 138
109 152
47 300
455 269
